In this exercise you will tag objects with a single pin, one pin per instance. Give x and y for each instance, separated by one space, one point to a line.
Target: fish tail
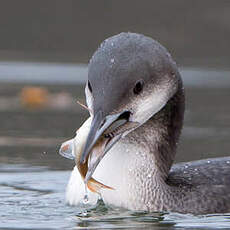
96 186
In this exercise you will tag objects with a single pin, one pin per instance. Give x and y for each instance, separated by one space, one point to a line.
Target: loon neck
159 135
137 166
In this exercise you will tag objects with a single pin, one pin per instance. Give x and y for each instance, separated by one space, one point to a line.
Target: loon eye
138 87
90 87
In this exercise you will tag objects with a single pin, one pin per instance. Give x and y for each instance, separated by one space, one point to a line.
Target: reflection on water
35 72
24 72
33 176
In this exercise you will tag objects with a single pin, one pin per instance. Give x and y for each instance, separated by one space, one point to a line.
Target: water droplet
185 172
112 60
44 152
186 166
195 169
208 162
228 162
86 199
84 213
149 175
112 44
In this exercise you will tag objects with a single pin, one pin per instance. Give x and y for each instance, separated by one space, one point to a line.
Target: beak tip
82 159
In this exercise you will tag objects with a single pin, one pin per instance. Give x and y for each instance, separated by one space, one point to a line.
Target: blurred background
44 50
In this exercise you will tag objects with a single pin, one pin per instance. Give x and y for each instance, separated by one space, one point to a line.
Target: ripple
36 201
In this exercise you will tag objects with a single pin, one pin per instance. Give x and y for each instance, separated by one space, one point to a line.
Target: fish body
73 149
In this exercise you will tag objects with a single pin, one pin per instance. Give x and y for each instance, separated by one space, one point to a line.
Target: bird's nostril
102 123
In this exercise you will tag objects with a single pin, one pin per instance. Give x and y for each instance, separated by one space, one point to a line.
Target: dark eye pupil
89 87
138 87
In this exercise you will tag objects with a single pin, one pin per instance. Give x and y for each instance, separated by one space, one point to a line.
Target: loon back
205 185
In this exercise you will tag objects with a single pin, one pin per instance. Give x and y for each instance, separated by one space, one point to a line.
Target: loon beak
104 133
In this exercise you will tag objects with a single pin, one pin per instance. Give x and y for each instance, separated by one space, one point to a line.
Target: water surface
33 176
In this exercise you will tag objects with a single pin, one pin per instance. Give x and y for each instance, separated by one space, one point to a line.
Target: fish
73 149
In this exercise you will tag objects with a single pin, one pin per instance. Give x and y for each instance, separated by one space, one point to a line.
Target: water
33 198
42 72
86 197
33 176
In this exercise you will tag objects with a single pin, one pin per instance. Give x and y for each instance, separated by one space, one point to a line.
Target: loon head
131 79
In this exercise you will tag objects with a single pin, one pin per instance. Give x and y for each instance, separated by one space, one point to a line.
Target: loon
136 101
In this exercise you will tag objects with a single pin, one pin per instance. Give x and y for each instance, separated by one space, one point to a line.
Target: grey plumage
196 187
205 185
